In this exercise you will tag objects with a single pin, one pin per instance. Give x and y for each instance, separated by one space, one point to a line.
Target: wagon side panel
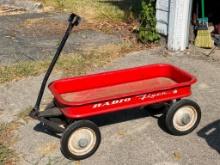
109 106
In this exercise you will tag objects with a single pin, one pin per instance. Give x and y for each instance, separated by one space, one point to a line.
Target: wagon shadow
114 118
211 133
41 128
125 115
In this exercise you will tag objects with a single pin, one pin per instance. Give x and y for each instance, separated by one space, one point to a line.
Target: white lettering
113 102
151 95
128 99
106 103
97 105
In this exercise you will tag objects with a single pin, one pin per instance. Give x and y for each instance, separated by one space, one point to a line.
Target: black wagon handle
73 20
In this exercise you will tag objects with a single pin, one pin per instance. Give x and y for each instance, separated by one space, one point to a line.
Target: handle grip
74 19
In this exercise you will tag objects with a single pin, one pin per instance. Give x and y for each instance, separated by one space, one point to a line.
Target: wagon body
86 96
78 98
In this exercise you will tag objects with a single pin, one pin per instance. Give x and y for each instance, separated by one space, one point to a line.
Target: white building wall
178 24
173 17
162 16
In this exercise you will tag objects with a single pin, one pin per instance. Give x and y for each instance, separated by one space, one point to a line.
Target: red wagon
78 98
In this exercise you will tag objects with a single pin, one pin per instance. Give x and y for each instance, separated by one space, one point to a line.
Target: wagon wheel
182 117
80 140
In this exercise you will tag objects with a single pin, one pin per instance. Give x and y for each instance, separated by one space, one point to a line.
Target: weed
7 155
147 30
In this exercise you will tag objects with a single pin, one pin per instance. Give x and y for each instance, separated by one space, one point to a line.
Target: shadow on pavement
211 133
120 116
130 114
40 127
115 117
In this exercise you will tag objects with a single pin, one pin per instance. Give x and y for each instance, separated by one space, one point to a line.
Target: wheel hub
184 118
83 143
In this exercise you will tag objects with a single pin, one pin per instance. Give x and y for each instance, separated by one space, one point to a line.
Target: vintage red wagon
79 98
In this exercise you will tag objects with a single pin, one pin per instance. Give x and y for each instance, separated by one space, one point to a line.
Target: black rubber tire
73 127
171 112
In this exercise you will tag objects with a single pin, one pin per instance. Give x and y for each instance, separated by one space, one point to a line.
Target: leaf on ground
177 155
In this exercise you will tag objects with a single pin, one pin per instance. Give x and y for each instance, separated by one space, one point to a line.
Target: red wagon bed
117 90
105 92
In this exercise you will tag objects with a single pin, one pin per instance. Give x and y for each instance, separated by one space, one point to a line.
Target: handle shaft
74 20
203 8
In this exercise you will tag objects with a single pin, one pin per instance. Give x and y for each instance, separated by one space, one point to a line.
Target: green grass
98 9
69 64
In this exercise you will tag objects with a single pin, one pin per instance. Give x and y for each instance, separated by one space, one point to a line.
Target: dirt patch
26 5
47 148
42 26
8 10
7 155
